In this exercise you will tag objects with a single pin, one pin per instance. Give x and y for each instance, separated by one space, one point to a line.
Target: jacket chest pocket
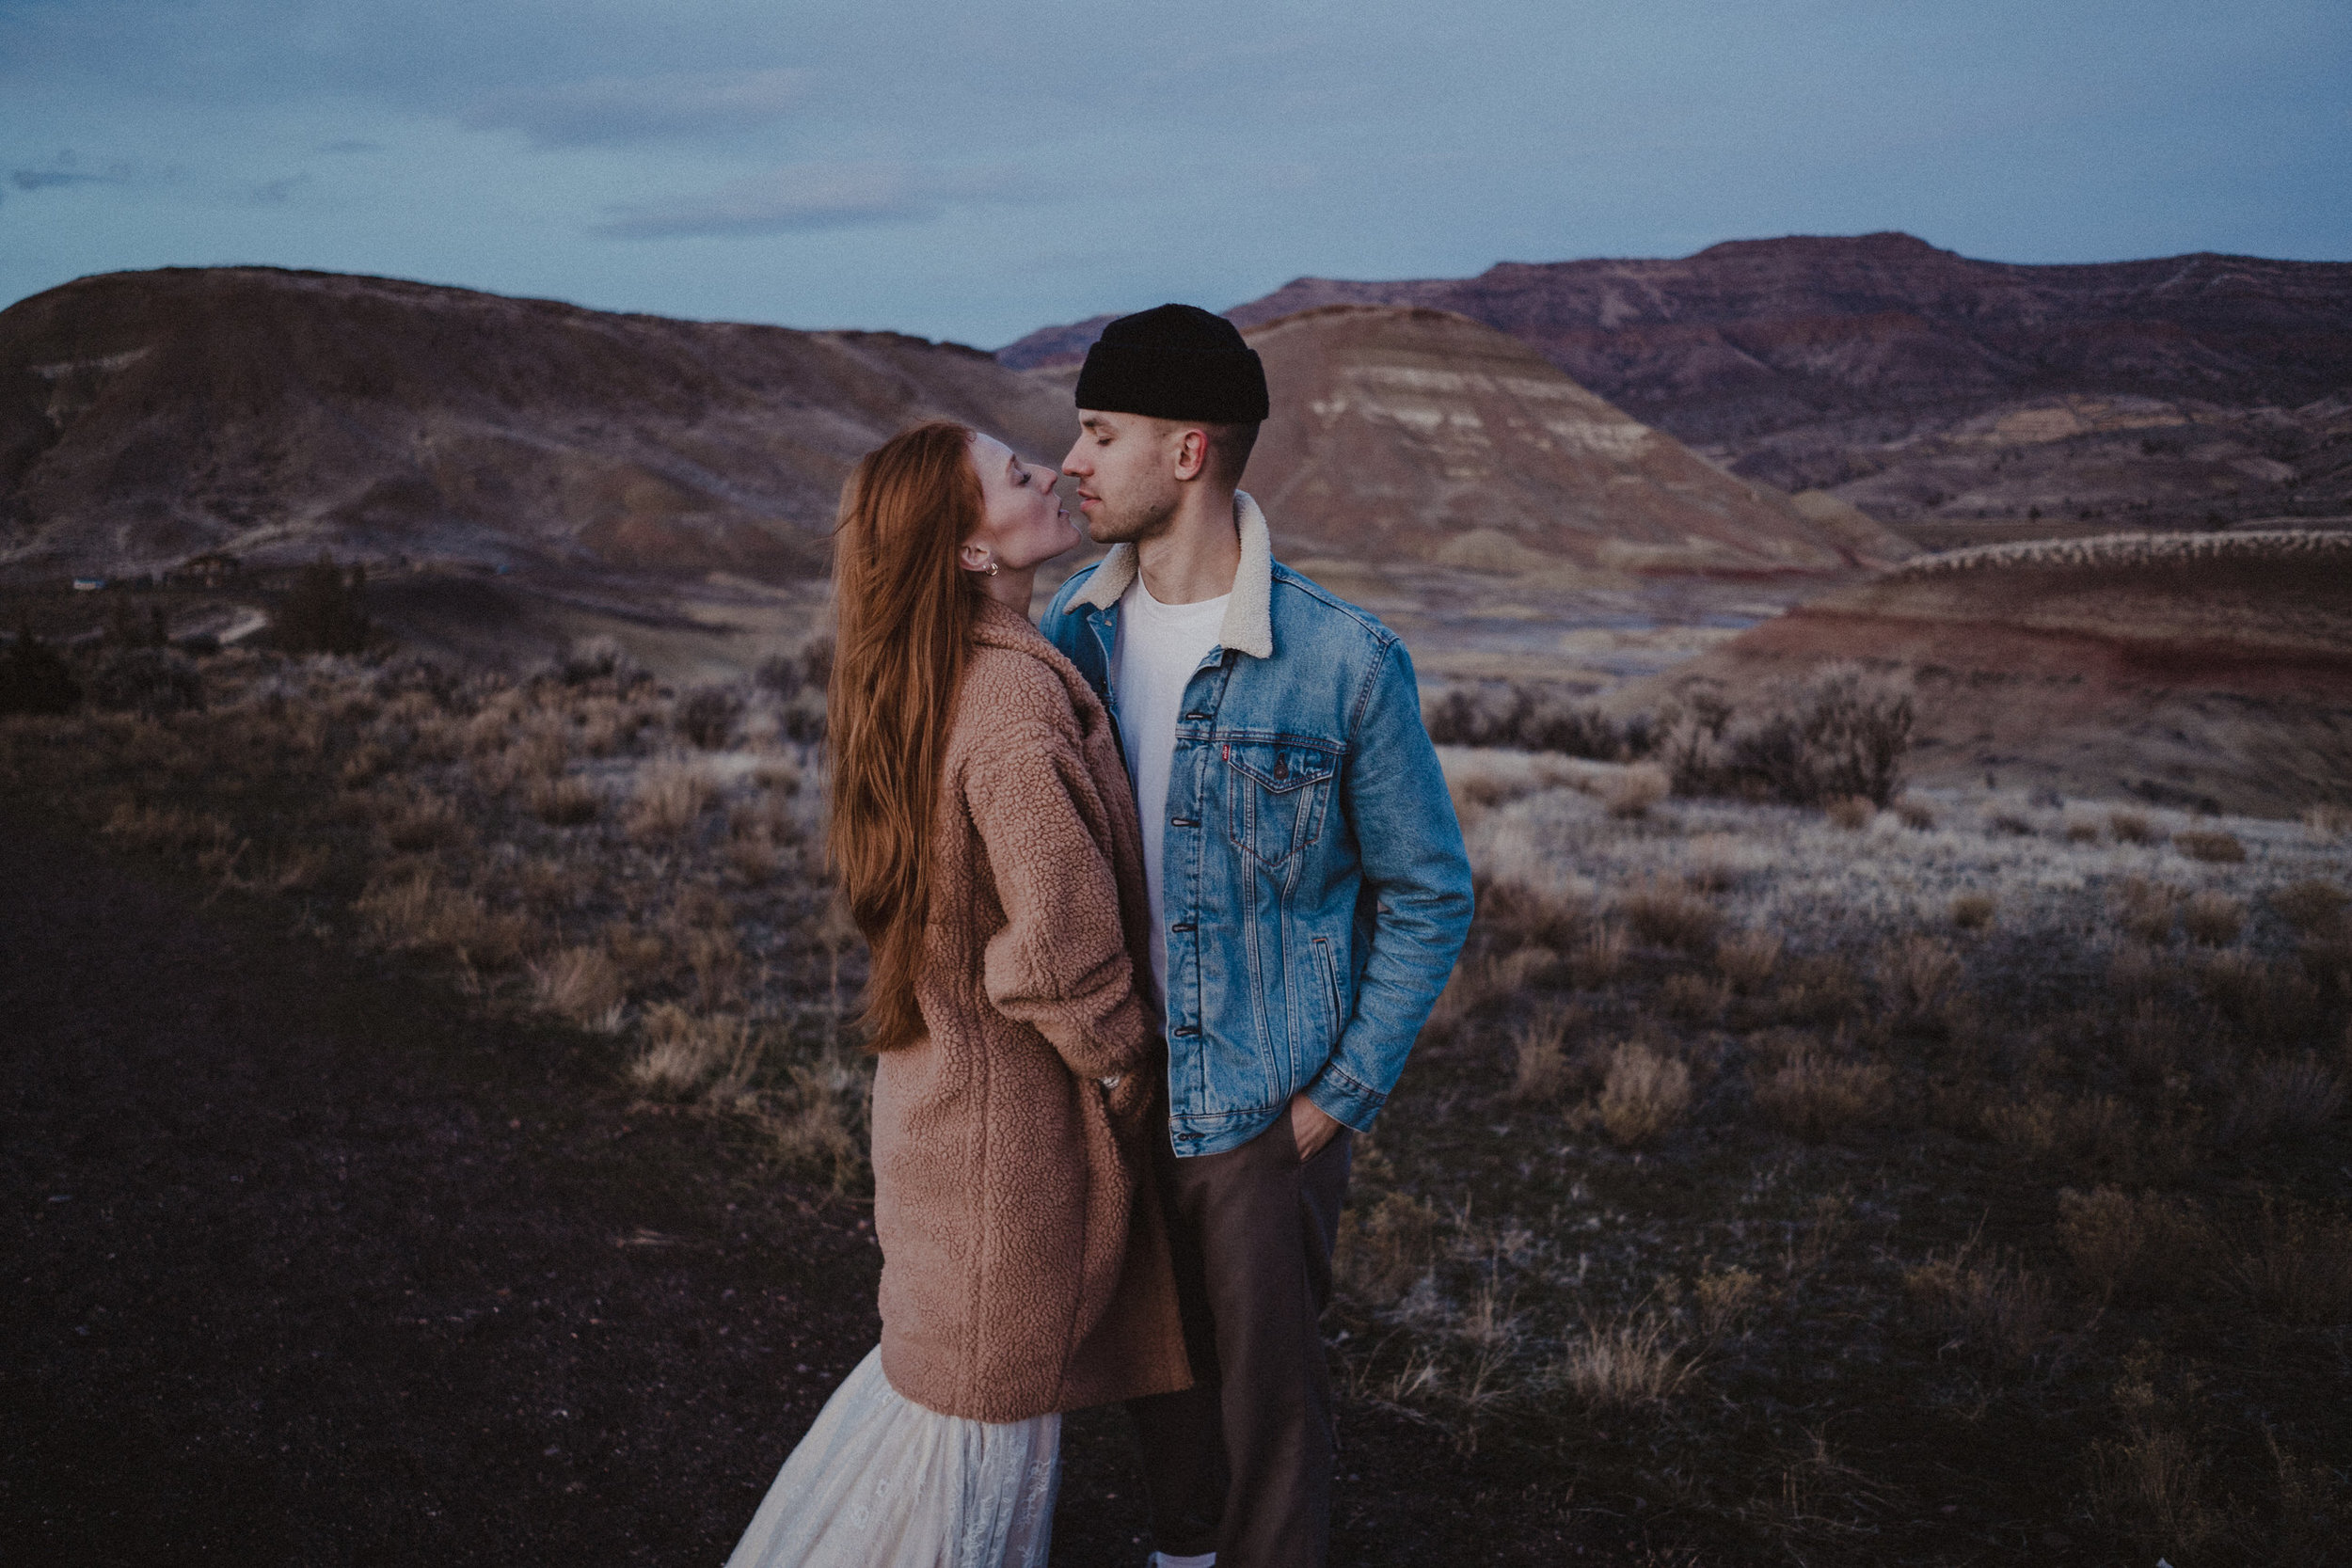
1275 796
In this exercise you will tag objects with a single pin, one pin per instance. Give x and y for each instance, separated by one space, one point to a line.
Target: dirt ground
307 1262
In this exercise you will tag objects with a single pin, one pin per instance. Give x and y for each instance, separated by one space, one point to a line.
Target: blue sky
972 172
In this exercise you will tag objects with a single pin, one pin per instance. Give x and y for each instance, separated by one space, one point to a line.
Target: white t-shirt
1158 647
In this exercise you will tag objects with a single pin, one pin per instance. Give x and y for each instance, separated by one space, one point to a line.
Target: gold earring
991 568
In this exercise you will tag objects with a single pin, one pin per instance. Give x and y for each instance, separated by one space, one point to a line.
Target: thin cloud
608 109
353 144
804 197
42 178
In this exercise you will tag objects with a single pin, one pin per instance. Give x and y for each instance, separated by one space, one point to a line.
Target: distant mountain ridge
1408 435
1867 364
147 417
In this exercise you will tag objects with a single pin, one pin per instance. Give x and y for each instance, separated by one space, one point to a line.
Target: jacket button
1281 767
1186 1033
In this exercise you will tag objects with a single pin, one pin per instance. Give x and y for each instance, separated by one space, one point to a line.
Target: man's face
1126 466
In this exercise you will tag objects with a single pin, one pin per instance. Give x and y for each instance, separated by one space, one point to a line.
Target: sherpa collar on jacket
1248 625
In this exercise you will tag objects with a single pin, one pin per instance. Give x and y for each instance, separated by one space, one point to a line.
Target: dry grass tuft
753 860
1540 1054
2287 1097
1989 1303
422 822
1473 984
1814 1096
2297 1265
168 828
1818 989
1917 975
2213 919
2150 1488
685 1051
2132 973
1971 912
1915 814
1643 1095
363 766
541 754
2210 845
2146 910
1635 790
1851 812
582 984
1695 999
1710 862
819 1131
1382 1250
1638 1361
2080 830
669 800
1514 914
1725 1297
2132 827
294 868
1599 958
553 884
1668 915
421 914
1747 958
2311 907
563 803
2135 1248
2046 1124
2326 823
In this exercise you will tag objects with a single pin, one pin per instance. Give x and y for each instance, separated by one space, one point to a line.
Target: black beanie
1177 362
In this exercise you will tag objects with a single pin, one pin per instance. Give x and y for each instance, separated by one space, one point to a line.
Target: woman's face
1022 522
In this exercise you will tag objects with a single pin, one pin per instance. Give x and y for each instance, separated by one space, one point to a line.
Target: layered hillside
1413 434
2188 670
148 417
1935 390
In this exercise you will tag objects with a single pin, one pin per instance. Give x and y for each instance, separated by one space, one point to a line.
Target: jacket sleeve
1060 964
1416 891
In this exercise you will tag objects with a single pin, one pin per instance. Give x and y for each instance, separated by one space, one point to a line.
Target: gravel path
305 1264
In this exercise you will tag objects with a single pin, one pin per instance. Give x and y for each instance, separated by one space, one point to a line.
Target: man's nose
1072 463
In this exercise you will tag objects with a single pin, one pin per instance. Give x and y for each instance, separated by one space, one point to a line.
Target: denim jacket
1316 890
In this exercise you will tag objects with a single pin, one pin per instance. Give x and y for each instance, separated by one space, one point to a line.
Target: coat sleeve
1416 884
1060 964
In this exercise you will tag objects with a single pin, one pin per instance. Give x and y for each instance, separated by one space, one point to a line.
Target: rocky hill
2204 670
1415 434
1953 396
148 417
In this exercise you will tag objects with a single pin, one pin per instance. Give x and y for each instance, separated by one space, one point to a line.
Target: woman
986 843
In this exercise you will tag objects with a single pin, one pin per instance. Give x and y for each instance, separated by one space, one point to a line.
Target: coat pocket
1275 796
1327 964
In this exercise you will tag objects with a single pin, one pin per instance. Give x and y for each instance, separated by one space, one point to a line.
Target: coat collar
1248 625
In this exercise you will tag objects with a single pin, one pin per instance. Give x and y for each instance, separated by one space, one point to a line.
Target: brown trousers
1240 1464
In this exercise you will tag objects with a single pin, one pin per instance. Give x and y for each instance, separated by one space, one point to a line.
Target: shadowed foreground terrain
308 1265
1848 1175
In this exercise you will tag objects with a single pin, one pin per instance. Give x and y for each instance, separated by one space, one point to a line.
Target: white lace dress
881 1482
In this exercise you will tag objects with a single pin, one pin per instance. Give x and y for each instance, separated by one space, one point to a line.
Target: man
1308 894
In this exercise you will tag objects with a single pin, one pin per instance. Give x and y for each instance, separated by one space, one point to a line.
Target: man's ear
1192 454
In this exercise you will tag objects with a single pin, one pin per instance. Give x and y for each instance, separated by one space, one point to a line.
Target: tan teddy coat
1024 1266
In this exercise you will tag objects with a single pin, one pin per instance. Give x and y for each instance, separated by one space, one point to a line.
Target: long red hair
903 622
